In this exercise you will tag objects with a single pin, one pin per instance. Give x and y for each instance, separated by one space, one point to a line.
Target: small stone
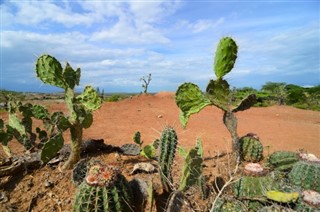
145 167
48 184
311 197
160 116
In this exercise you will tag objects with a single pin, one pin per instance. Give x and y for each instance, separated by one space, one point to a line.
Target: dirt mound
165 94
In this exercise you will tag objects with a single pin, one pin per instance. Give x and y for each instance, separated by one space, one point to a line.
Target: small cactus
306 175
104 189
251 149
225 204
283 160
137 138
130 149
168 145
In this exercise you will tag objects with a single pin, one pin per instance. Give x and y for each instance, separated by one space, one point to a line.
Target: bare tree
146 81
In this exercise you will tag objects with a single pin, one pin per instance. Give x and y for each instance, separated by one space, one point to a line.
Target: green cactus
191 169
254 187
251 149
80 107
104 189
191 100
168 145
130 149
226 56
282 197
137 138
225 204
306 175
283 160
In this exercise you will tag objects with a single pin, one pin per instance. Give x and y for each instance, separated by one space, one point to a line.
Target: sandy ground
279 127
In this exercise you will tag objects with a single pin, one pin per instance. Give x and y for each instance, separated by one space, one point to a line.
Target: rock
144 167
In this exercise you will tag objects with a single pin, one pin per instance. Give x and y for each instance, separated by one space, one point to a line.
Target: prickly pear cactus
104 189
306 175
283 160
251 149
130 149
254 187
191 169
137 138
282 197
168 145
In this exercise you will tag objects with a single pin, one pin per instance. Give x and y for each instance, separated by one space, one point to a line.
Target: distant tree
146 81
277 91
295 94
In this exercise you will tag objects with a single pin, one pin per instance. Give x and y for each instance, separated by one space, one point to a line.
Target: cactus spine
306 175
104 189
50 71
251 149
283 160
168 145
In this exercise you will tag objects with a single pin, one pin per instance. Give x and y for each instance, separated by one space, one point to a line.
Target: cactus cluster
251 149
228 205
104 189
283 160
80 107
191 100
168 145
306 175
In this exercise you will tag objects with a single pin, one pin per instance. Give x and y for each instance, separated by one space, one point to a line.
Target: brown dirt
279 128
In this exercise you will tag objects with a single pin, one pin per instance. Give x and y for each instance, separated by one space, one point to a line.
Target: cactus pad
130 149
226 56
283 160
282 197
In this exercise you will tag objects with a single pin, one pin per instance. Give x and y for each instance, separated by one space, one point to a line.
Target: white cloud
200 25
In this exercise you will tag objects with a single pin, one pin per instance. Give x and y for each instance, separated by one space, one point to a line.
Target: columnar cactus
104 189
306 175
190 99
168 145
251 149
80 107
283 160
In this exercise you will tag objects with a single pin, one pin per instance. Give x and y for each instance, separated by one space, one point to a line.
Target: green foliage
251 149
254 187
51 148
137 138
50 71
104 189
114 98
226 56
190 100
306 175
168 144
192 167
283 160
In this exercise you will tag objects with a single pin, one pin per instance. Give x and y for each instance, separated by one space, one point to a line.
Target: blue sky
117 42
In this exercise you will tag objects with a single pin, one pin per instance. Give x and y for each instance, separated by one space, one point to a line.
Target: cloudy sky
117 42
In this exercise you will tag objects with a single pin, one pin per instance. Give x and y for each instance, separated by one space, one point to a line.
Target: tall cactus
190 99
104 189
80 107
168 145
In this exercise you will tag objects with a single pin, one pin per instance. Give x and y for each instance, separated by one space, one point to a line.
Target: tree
146 81
277 90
